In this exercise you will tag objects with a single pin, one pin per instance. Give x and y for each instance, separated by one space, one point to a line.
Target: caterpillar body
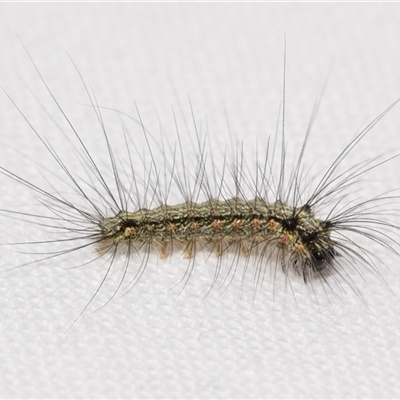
279 226
245 225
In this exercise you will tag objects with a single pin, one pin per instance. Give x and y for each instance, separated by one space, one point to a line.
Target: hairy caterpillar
242 212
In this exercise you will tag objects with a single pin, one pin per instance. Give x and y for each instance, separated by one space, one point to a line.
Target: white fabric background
149 343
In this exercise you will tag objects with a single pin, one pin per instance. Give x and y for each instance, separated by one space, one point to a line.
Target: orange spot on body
256 223
172 228
272 224
237 223
217 224
298 249
284 239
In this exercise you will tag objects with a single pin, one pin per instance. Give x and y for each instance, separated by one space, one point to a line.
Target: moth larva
247 212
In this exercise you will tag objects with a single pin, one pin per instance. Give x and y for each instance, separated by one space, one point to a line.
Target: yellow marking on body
129 231
285 239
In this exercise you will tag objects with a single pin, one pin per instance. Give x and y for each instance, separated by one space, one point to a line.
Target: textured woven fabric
156 342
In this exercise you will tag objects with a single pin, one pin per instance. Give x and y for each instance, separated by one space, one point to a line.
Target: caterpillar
244 213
